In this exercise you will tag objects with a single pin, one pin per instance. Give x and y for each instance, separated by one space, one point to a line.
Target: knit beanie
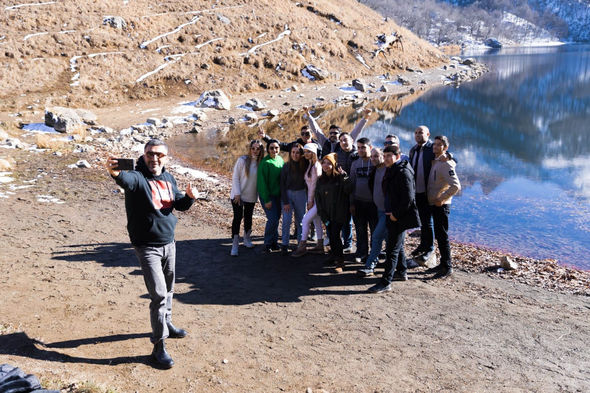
332 157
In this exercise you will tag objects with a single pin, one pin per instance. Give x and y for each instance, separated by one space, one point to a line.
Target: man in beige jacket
442 184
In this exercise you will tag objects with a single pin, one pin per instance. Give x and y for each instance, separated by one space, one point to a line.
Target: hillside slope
74 53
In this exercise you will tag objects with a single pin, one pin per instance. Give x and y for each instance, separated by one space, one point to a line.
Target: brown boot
301 249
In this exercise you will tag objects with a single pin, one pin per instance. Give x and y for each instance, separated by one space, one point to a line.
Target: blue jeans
273 215
377 237
297 200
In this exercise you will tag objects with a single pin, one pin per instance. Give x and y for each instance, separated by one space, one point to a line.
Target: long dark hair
249 155
297 166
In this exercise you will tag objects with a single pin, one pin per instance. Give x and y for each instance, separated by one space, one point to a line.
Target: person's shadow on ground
20 344
217 278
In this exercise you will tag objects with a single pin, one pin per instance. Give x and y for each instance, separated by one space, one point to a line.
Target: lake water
521 135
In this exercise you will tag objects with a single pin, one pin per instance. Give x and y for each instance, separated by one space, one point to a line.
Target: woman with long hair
332 195
312 173
243 194
293 194
269 190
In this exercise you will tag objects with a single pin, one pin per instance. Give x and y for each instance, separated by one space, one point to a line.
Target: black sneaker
284 251
416 252
411 263
365 272
435 269
397 276
444 273
379 288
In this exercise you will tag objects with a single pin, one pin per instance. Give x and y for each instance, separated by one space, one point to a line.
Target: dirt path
74 308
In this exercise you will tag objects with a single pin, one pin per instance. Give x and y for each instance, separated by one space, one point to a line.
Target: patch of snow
208 42
194 20
34 35
194 173
39 128
307 74
13 7
48 199
4 178
14 188
350 89
255 47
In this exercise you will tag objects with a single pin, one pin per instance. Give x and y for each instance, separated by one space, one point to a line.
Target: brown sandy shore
74 306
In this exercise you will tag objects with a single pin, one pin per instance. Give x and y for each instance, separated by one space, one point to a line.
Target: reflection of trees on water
527 110
219 153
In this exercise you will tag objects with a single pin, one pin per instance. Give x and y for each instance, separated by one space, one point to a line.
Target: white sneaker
235 245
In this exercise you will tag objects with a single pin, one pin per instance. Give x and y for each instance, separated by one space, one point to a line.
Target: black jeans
426 229
441 232
365 214
395 259
336 248
244 209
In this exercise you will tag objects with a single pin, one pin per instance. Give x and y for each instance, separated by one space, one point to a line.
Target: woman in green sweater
269 189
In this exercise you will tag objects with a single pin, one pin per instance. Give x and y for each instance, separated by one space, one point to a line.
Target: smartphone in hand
125 164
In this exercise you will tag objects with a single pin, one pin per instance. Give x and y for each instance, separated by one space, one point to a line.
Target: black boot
174 332
160 355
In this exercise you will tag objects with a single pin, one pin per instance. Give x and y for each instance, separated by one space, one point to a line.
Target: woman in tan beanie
332 199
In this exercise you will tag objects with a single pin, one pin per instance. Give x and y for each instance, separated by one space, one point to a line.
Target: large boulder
114 21
255 104
214 99
312 72
359 85
87 116
63 119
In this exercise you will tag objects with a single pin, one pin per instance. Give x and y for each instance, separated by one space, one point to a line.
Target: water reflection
522 139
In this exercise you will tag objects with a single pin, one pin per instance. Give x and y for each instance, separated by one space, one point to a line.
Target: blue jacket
149 202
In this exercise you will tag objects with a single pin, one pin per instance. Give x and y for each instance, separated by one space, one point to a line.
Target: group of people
334 181
328 181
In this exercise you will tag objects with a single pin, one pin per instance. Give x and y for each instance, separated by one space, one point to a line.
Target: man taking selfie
151 195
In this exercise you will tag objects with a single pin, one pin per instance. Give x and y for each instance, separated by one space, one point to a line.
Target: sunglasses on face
152 154
305 133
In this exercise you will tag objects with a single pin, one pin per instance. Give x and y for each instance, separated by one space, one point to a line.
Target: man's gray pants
158 266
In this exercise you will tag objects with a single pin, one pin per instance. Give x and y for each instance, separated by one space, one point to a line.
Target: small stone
383 89
224 361
507 263
5 165
309 390
294 88
83 164
273 112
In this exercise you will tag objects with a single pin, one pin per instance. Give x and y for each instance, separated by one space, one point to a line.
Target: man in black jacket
400 207
151 195
421 156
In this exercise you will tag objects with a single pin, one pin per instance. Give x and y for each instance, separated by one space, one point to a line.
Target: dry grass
60 66
54 143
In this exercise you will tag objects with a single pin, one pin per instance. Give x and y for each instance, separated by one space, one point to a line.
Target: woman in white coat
244 194
313 172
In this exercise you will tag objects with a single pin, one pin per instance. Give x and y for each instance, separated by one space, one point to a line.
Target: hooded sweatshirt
149 201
